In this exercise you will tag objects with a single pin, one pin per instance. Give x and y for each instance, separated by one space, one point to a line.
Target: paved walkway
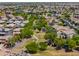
35 37
15 50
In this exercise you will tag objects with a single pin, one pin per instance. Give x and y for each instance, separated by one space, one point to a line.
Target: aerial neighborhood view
39 29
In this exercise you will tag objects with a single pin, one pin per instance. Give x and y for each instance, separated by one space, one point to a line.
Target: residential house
5 33
16 31
64 32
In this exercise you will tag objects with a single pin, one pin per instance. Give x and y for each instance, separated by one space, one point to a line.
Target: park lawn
40 36
22 46
53 52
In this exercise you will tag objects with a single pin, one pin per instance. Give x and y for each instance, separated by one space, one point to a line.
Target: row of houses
10 25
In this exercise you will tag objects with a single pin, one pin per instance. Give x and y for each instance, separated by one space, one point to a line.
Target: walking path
15 50
35 37
19 46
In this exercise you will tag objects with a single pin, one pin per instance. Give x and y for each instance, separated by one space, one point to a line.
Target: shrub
32 47
11 42
71 44
76 38
51 36
42 46
59 43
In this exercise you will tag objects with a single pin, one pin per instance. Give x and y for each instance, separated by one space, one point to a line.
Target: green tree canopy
71 44
11 42
32 47
50 29
59 43
51 36
76 38
26 32
66 14
42 46
40 23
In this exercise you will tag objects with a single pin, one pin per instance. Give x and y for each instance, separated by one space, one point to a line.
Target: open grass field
40 36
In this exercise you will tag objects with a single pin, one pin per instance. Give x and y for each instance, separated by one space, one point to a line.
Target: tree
49 14
32 47
42 46
50 29
11 42
77 30
59 43
71 44
26 32
66 14
29 32
23 34
61 24
51 36
76 38
40 23
17 38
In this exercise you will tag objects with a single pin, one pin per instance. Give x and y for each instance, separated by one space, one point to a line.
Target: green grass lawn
51 51
40 36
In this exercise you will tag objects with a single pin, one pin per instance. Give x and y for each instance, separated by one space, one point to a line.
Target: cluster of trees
76 38
50 33
66 14
34 47
24 15
50 29
40 23
70 45
26 32
67 44
59 43
32 17
50 36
